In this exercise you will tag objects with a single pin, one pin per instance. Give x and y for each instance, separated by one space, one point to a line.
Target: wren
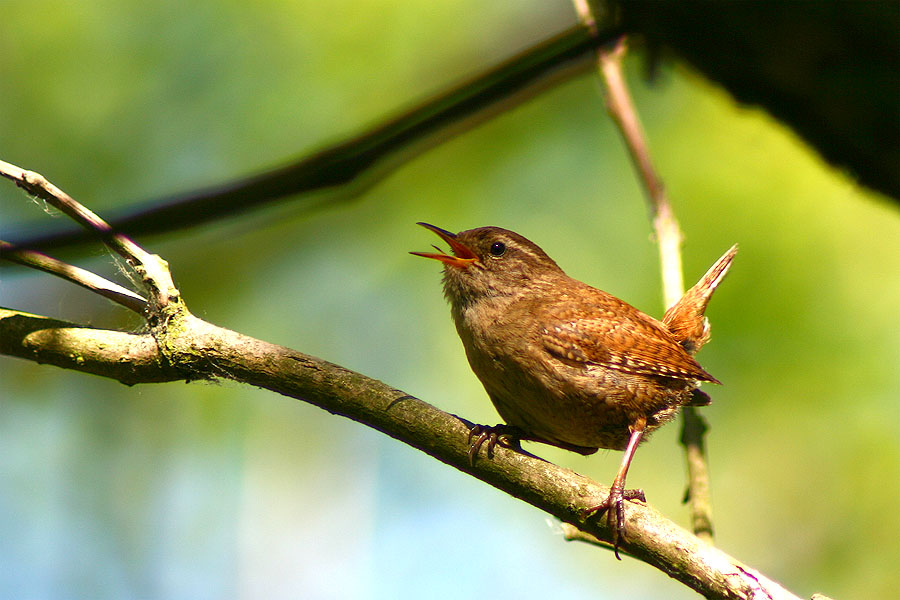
567 364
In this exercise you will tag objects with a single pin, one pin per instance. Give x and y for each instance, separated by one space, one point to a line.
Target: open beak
462 256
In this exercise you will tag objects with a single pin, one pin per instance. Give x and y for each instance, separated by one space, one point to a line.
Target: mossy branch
178 346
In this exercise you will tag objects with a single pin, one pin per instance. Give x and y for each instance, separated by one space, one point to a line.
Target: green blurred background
224 491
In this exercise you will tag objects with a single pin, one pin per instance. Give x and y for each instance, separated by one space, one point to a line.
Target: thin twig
153 270
697 494
669 237
37 185
77 275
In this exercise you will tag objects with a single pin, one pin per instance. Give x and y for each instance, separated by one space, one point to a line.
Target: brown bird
564 363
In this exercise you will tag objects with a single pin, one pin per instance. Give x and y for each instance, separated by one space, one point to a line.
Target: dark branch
347 161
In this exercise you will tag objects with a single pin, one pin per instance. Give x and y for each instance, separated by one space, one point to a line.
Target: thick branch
126 357
200 350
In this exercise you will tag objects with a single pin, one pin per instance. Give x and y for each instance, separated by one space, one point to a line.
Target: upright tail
685 319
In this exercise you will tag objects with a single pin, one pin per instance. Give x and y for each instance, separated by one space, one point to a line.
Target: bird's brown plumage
565 363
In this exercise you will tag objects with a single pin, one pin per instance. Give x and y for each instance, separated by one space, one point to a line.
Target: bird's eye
498 248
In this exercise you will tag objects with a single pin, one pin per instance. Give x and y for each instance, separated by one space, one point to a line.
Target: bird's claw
504 435
614 507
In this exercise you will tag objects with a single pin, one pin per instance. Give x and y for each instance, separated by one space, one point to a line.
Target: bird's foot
614 507
504 435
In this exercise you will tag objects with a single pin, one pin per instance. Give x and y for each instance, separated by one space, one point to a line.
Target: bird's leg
505 435
614 505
